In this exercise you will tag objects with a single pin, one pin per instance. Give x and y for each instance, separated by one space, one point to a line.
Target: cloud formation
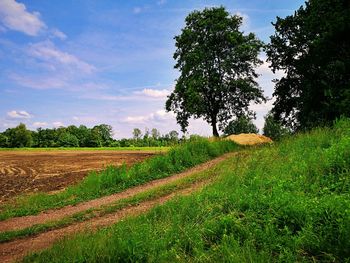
48 52
137 10
16 17
158 116
59 34
245 20
57 124
161 2
154 93
19 114
39 82
39 124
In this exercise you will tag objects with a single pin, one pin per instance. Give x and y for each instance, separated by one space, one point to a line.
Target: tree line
82 136
102 135
217 63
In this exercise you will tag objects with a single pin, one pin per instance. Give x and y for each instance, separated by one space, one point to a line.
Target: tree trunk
215 130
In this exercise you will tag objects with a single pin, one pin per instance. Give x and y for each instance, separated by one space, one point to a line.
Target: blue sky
108 61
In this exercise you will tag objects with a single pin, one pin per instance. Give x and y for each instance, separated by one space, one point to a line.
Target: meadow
288 202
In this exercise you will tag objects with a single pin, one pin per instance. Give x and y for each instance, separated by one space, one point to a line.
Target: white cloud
154 93
144 94
39 124
47 51
264 70
16 17
158 116
245 20
2 29
137 10
59 34
19 114
136 119
161 2
38 82
84 119
57 124
263 107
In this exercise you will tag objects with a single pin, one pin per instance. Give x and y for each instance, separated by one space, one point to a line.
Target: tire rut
17 249
18 223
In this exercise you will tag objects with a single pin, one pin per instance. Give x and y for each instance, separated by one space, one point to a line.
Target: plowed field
48 171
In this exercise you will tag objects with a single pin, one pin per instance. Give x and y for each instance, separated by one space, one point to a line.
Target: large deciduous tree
217 65
312 48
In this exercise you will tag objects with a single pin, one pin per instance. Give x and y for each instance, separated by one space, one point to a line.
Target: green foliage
45 138
217 64
155 134
274 129
18 137
104 134
93 139
241 124
312 48
284 203
116 179
3 140
136 133
68 140
174 136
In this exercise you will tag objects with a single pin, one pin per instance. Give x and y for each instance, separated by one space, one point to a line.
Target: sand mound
249 139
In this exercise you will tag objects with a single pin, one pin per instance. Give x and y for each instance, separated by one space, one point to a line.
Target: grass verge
285 203
115 179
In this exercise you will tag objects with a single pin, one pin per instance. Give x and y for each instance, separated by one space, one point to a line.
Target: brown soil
47 171
17 249
27 221
249 139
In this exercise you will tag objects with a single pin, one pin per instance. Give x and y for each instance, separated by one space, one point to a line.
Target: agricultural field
27 171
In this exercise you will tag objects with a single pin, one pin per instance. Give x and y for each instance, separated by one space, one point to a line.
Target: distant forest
82 136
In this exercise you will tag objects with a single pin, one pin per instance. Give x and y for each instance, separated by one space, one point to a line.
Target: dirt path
50 215
17 249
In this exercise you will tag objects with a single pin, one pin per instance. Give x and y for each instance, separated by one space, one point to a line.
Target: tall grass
284 203
116 179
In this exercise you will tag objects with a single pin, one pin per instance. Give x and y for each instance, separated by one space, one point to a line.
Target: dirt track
47 171
18 248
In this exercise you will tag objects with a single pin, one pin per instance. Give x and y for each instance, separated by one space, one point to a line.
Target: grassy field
115 179
284 203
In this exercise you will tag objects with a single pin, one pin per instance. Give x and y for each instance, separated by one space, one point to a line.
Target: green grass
88 149
115 179
111 208
284 203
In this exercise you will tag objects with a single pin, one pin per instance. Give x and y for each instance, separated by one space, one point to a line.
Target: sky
109 61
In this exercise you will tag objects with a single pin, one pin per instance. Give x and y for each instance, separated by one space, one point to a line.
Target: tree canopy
242 124
312 48
217 65
274 129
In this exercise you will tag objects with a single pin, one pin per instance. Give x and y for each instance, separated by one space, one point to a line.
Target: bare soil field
48 171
